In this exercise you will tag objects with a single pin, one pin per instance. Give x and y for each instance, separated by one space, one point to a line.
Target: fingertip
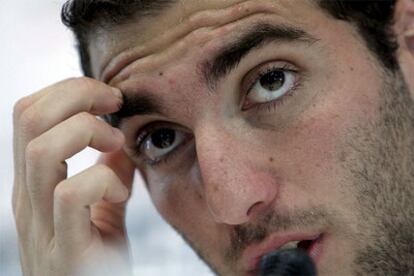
118 133
117 93
121 164
118 195
119 97
119 136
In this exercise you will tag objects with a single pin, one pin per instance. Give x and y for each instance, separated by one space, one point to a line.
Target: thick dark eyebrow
134 104
257 36
227 59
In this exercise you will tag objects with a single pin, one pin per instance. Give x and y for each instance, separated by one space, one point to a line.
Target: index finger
67 98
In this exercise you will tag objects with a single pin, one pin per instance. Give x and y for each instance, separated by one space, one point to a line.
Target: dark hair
84 17
372 18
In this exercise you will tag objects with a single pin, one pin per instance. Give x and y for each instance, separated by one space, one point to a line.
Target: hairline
156 7
84 36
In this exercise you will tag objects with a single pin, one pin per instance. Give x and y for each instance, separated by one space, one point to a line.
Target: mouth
311 244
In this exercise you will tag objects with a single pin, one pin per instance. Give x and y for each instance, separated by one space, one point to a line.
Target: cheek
172 193
316 147
180 203
175 191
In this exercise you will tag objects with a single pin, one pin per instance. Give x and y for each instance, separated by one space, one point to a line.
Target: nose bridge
236 187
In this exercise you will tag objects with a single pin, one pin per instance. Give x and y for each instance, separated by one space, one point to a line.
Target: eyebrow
227 59
134 104
256 37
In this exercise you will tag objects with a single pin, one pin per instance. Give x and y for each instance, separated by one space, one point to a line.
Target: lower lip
315 250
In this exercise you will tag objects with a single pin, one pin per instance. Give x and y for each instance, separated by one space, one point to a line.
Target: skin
243 175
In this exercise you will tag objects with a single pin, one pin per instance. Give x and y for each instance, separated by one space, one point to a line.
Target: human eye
158 142
270 84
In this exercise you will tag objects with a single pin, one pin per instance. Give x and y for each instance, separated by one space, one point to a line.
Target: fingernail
117 93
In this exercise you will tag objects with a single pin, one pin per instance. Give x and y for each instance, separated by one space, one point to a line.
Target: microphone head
287 262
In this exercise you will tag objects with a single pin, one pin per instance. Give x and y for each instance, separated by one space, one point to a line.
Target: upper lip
252 254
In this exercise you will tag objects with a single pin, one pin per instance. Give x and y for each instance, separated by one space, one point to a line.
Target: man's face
260 123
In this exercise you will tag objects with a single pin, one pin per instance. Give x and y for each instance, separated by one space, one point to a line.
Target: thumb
121 164
105 213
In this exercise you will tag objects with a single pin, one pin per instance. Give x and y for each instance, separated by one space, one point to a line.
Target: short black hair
372 18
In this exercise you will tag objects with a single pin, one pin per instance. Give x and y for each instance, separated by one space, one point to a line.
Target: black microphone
287 262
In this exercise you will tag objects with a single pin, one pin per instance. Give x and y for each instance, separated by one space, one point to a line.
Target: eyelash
272 105
146 131
164 160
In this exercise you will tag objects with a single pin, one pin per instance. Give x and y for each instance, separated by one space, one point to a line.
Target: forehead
115 47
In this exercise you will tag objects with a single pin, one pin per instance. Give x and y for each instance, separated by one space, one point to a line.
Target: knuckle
20 106
65 193
106 172
35 150
84 82
86 118
28 120
88 121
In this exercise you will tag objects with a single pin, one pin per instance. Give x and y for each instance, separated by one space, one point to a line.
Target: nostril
255 208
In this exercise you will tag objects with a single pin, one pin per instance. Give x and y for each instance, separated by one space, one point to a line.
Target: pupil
163 138
273 80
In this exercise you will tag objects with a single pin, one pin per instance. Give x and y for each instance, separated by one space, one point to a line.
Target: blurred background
36 50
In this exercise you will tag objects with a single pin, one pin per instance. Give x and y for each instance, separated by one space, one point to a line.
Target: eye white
161 142
271 86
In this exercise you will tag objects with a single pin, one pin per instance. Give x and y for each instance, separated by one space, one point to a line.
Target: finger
121 164
38 112
23 107
67 99
46 157
73 196
105 213
20 199
22 210
28 120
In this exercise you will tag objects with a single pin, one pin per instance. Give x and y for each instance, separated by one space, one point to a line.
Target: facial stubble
380 163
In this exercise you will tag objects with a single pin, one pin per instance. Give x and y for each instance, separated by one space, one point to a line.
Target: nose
237 185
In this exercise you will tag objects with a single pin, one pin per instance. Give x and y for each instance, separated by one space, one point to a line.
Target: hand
70 226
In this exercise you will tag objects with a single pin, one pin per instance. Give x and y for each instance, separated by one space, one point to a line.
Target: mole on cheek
161 74
271 159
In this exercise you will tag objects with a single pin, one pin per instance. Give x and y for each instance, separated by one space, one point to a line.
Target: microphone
287 262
